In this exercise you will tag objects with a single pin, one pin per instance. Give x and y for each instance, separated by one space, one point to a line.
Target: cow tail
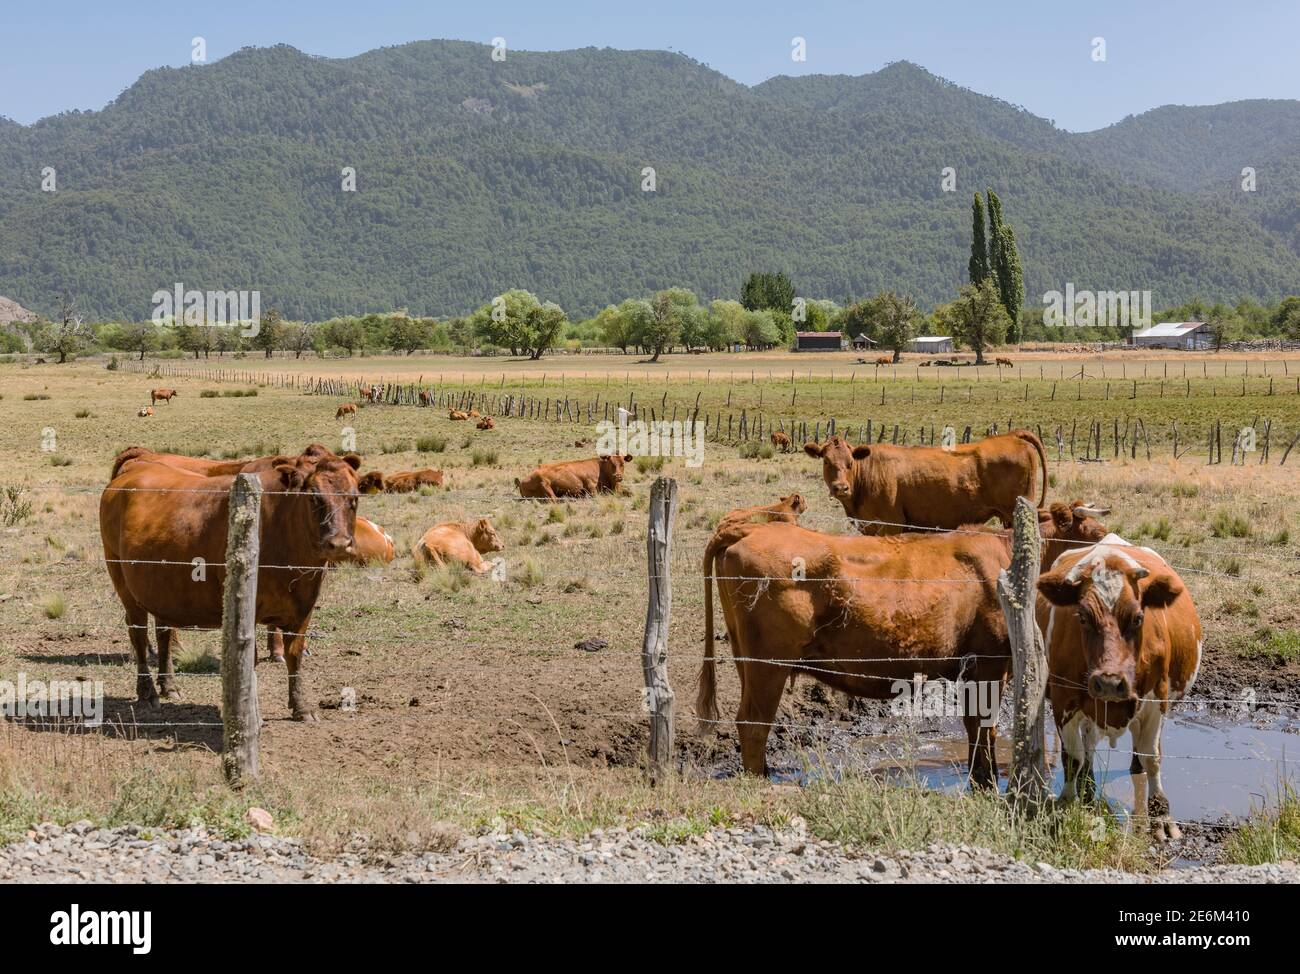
1029 436
130 453
706 694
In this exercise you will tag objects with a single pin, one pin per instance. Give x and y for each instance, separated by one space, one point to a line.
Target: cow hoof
148 703
1166 830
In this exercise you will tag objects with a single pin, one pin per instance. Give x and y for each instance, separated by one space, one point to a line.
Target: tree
409 335
198 339
978 268
614 327
695 326
269 332
727 323
65 337
300 336
893 319
668 310
135 336
976 318
345 333
760 329
1004 263
518 321
768 291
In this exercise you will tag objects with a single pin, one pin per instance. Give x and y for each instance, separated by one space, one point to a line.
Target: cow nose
1108 686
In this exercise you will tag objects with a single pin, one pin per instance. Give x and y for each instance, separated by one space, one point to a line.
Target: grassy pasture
472 701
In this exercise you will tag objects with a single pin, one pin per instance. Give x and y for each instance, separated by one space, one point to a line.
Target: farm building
930 344
818 341
862 341
1174 334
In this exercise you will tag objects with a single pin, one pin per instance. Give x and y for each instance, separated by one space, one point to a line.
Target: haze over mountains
474 176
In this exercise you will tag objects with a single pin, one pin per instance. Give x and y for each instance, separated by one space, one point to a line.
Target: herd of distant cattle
914 592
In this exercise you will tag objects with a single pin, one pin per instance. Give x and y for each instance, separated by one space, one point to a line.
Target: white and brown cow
1123 641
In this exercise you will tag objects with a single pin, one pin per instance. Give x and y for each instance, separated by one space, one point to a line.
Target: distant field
473 700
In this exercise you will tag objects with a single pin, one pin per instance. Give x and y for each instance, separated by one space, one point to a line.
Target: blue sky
80 54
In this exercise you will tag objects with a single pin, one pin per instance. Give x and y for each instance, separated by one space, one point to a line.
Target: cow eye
1137 622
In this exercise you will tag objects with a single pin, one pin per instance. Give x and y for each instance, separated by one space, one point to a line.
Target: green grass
192 660
1226 524
53 606
484 458
209 394
1282 646
649 464
394 446
1268 836
434 443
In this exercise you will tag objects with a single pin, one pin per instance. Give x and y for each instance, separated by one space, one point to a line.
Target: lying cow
145 411
929 486
371 483
155 519
457 414
165 395
485 424
412 480
575 478
462 543
345 410
780 441
1123 640
372 544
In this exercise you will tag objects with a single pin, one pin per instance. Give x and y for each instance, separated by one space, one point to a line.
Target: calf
459 544
575 478
426 398
145 411
486 423
457 414
781 441
1123 641
344 410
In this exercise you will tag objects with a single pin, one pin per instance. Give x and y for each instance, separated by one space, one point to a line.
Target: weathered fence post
1018 592
654 649
239 713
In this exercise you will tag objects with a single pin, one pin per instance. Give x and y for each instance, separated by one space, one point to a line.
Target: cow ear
814 450
290 475
1160 590
353 460
627 458
861 452
1059 588
1062 516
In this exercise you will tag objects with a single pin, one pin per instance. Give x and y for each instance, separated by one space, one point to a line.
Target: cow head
330 483
611 470
371 483
484 537
838 458
795 504
1068 527
1110 592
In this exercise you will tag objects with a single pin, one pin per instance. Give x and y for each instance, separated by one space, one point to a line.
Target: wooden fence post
654 649
239 714
1018 592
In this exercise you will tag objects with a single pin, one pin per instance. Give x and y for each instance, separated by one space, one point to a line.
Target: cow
346 409
1000 362
155 519
372 543
1123 641
371 483
575 478
822 618
462 543
426 398
485 424
411 480
892 487
883 360
474 414
164 394
145 411
457 414
926 364
796 600
373 394
781 441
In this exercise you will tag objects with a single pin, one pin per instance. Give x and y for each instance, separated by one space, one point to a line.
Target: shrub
394 446
433 443
649 464
484 458
58 460
1227 525
209 394
13 509
34 396
53 606
82 413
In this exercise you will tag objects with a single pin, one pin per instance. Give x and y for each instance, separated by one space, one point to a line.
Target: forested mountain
474 176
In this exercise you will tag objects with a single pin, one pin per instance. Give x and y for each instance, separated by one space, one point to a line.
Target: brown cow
781 441
426 398
345 409
164 394
929 486
1000 361
1123 640
145 411
411 480
575 478
884 360
371 483
457 414
155 519
459 544
486 423
831 605
372 543
474 414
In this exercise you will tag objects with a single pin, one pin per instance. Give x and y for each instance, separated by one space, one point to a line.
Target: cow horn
1091 510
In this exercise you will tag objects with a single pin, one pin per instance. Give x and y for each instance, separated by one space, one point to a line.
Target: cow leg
982 761
1077 744
137 622
298 704
167 641
274 644
759 700
1147 752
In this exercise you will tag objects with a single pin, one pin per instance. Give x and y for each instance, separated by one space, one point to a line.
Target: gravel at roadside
82 853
